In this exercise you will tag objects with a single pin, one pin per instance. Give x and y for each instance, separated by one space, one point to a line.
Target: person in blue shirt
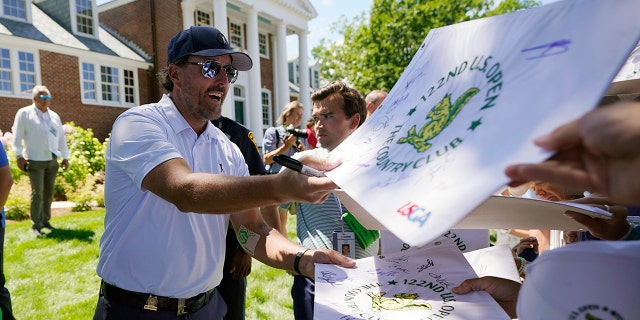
6 181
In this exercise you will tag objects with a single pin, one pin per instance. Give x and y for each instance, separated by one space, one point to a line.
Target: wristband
523 262
296 262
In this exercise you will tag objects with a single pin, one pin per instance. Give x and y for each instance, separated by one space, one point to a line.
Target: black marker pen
296 165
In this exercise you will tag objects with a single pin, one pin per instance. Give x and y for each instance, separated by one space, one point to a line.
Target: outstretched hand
599 152
504 291
606 229
311 257
308 189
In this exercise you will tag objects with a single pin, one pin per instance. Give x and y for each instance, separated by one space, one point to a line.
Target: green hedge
81 183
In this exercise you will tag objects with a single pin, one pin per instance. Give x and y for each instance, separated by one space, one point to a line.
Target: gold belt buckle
152 303
181 304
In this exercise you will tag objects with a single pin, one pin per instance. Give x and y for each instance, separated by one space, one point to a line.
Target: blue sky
330 11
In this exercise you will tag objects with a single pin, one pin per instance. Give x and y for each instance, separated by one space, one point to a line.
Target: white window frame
268 106
16 72
116 82
27 12
315 78
83 80
236 33
98 84
131 87
74 19
240 98
264 45
198 23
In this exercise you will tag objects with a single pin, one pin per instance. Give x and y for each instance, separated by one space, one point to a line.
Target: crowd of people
191 200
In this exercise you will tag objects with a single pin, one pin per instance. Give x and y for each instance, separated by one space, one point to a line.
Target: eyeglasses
45 97
210 70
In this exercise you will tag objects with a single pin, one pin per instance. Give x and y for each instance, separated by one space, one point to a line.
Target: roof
45 29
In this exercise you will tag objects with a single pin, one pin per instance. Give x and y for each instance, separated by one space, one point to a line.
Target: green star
393 282
475 124
412 111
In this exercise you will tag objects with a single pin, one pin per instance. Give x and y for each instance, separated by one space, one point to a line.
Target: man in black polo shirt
237 263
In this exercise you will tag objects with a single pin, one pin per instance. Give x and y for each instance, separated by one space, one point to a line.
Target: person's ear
175 73
354 122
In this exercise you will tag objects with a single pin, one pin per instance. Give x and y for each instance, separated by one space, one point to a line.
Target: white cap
584 280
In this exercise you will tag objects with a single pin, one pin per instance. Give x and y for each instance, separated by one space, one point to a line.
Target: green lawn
54 277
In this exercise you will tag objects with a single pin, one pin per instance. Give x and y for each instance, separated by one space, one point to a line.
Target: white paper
404 285
471 102
499 212
496 261
466 240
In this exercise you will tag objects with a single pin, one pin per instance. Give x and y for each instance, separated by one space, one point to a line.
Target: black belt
151 302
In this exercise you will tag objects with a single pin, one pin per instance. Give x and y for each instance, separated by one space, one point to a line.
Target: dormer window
16 9
84 17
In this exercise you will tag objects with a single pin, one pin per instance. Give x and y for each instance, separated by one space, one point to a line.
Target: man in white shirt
38 156
174 181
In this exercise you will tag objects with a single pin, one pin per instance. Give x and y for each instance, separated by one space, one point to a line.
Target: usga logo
436 109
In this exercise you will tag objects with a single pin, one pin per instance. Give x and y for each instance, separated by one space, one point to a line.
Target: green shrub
18 203
86 158
16 173
80 183
88 193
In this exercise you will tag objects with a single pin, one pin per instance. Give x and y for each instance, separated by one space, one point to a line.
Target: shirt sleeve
268 141
62 140
251 154
138 144
18 134
4 161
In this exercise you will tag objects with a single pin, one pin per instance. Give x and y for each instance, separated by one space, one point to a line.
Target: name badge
345 243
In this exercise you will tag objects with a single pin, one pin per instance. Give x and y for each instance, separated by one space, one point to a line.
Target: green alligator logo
441 116
400 301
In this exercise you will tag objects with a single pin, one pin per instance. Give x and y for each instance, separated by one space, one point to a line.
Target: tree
375 51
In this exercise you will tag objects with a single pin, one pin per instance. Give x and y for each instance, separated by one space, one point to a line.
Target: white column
254 99
188 11
303 59
220 16
282 72
220 22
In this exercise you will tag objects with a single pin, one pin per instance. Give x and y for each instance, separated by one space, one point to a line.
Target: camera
297 132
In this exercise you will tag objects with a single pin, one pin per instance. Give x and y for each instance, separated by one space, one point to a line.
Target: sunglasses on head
45 97
210 70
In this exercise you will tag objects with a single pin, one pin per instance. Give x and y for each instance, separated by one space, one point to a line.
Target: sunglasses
45 97
210 70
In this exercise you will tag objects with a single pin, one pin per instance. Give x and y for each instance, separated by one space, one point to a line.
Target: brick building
93 73
99 61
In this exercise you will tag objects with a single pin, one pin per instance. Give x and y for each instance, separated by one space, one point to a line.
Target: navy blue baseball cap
205 41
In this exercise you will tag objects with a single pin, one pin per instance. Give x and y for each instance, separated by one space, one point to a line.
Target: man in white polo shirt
174 181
